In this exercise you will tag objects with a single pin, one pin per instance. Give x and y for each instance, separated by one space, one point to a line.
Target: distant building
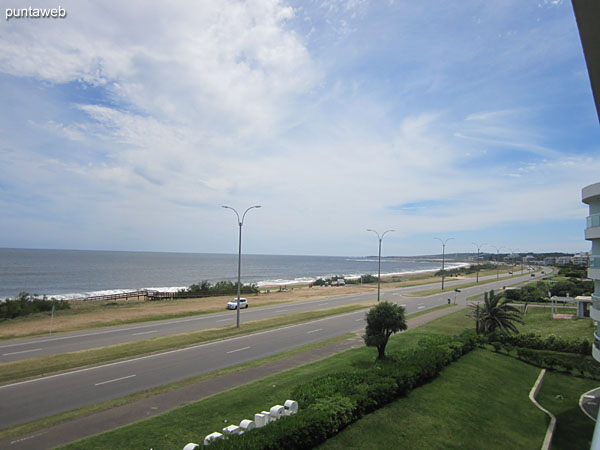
591 196
563 260
581 259
549 261
529 259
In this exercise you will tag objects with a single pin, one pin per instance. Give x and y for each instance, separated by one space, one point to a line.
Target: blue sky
126 125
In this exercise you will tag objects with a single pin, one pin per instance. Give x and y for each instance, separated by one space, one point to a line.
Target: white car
233 303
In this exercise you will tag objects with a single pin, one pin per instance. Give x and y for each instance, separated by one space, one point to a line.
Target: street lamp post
443 256
497 257
240 223
478 251
379 268
512 255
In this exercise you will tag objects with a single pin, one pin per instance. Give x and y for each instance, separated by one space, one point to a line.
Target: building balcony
596 353
595 314
592 230
593 273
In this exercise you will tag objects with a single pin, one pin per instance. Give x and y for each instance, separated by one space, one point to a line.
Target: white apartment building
590 195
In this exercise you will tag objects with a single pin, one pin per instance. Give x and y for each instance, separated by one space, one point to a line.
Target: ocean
70 274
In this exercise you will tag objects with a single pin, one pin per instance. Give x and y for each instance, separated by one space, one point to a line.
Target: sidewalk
80 428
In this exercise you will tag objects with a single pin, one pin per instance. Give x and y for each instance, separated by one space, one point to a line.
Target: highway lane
33 399
20 349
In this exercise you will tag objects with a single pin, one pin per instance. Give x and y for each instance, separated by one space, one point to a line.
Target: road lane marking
238 350
223 320
359 320
323 303
421 307
112 381
28 437
23 351
281 310
145 332
314 331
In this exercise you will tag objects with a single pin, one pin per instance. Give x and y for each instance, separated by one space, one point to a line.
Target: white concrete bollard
277 411
268 416
191 446
211 437
291 407
247 425
260 420
232 429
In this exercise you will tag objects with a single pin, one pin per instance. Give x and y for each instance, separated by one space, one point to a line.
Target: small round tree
383 320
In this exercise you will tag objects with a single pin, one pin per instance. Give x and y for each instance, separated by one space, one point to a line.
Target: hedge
586 366
331 402
551 342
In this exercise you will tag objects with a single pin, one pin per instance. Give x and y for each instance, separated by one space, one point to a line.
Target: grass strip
449 289
29 427
55 363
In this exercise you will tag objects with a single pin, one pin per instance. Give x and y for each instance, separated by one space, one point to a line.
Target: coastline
266 284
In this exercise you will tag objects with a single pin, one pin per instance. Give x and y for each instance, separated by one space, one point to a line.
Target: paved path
107 420
590 402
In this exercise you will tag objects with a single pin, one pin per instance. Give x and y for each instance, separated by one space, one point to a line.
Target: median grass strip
56 363
429 292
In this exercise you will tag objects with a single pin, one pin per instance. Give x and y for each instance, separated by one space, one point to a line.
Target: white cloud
202 104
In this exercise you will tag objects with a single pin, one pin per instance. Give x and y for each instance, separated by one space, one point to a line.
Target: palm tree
496 315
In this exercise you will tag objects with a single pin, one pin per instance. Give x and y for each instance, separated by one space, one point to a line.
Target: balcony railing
593 221
595 262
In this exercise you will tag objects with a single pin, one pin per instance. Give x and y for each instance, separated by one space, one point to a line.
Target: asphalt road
37 398
20 349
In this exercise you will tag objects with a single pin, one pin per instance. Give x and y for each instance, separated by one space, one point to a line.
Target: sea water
69 274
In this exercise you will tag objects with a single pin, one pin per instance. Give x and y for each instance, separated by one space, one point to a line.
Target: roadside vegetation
25 304
206 289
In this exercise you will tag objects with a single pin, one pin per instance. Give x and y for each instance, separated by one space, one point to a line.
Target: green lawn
539 320
479 402
560 395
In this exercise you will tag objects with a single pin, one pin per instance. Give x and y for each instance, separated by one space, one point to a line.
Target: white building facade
590 195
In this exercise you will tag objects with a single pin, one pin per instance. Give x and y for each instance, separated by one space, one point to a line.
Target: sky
127 125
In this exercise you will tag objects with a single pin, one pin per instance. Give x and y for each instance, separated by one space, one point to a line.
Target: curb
534 390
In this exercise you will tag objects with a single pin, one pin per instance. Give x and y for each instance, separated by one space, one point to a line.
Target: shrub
25 304
551 342
331 402
205 289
